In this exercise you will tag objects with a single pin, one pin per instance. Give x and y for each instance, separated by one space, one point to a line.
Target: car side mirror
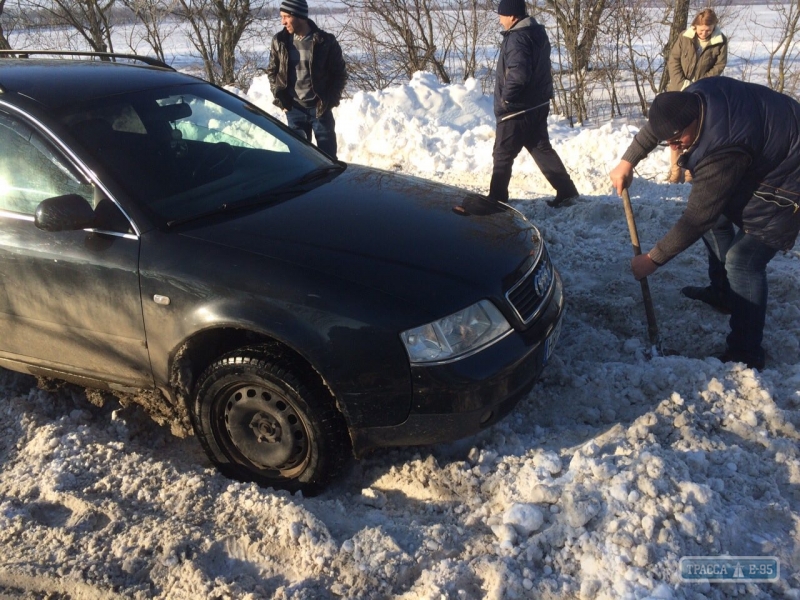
69 212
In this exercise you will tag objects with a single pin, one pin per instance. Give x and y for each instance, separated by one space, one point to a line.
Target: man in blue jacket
741 142
522 93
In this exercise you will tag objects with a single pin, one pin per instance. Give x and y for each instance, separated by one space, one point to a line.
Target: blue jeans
304 121
737 267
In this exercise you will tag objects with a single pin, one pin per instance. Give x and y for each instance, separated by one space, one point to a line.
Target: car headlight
457 335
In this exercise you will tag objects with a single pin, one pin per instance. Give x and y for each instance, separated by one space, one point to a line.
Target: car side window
32 170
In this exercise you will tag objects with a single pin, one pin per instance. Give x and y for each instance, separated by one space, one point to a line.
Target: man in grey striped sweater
307 75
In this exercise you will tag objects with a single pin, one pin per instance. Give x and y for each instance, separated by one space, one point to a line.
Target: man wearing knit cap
522 93
307 75
741 142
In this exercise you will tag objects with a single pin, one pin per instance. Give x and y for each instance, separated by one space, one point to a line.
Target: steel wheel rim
263 428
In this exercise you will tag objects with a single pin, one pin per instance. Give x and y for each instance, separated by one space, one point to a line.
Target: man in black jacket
307 75
741 142
522 93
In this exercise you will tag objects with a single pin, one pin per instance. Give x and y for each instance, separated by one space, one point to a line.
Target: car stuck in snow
164 238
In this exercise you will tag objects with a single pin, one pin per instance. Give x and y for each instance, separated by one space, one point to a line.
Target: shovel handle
652 328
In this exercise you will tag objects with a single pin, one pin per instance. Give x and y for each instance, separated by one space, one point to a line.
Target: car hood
399 234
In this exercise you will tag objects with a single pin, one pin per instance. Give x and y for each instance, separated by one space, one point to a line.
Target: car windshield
193 150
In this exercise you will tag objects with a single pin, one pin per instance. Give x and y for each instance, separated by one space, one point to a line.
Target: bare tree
635 28
471 29
579 23
153 24
391 39
577 26
91 20
783 73
610 56
622 48
216 29
678 23
405 33
370 64
4 45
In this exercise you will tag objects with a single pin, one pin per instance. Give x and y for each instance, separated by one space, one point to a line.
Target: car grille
529 295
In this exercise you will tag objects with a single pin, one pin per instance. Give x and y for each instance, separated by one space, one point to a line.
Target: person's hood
521 24
716 38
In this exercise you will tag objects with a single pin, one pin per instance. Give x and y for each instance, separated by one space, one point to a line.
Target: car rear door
69 300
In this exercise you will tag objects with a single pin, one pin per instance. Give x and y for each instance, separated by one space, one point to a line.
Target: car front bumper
461 398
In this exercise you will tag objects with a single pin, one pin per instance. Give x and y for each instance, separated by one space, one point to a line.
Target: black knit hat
671 112
298 8
512 8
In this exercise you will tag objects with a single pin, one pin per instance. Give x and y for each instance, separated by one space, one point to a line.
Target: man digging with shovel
741 143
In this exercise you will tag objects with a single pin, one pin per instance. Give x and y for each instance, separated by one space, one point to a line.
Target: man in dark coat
307 75
741 142
523 89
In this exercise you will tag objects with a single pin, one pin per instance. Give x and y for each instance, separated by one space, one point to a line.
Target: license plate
550 343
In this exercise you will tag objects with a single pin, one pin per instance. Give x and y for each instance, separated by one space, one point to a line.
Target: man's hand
642 266
621 176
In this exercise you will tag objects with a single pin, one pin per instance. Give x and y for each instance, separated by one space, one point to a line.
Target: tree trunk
680 20
4 45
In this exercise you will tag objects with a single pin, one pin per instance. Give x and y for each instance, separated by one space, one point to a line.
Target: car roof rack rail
153 62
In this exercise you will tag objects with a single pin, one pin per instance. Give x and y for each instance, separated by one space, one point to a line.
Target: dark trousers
304 121
737 267
527 131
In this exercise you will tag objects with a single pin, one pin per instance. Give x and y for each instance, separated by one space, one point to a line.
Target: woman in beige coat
700 51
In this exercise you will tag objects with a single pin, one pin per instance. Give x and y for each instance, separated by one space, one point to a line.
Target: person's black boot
755 361
559 202
708 295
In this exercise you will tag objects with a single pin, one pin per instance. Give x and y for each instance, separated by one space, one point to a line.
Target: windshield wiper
265 198
320 173
296 187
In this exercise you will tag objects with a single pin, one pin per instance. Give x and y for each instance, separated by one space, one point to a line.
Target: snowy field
613 468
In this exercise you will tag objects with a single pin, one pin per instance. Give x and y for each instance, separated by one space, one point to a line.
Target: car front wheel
263 417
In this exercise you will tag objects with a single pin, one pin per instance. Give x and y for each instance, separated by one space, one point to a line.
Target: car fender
192 294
